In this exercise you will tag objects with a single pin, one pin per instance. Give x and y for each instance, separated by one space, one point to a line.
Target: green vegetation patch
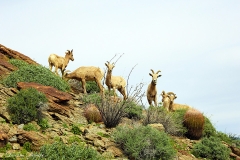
144 142
59 150
23 106
34 73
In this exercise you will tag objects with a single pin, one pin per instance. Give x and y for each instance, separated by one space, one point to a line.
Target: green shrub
211 148
75 129
59 150
208 128
194 122
134 111
34 73
7 147
92 87
27 146
30 127
74 139
18 63
23 106
172 121
9 156
144 142
92 113
43 123
91 98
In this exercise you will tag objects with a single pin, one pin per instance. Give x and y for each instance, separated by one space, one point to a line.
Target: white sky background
196 44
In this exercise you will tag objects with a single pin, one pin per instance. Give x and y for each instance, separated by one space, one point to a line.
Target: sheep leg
155 100
56 70
84 86
100 86
50 66
122 91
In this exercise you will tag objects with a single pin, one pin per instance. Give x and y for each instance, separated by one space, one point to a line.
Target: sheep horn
158 71
152 71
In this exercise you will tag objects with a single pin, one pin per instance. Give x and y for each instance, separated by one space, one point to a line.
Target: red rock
51 93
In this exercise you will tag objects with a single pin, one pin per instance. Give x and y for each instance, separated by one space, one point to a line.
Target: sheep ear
71 50
159 75
150 74
106 64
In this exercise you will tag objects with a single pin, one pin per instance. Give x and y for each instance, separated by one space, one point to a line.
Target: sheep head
155 76
110 66
69 54
171 96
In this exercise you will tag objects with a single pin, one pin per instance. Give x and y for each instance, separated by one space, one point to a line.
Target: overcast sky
195 44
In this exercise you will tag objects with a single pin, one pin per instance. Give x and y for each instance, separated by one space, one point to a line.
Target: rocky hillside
63 110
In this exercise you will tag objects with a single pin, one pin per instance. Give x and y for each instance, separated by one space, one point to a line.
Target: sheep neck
109 77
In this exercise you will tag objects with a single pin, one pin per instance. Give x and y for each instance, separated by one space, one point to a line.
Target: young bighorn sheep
168 102
60 62
152 89
115 82
84 74
167 99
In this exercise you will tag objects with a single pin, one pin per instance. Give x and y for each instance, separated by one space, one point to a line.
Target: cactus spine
194 122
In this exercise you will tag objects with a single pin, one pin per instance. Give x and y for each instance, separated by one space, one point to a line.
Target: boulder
51 93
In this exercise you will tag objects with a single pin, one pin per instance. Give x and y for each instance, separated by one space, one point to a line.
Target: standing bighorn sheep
152 89
60 62
167 99
115 82
84 74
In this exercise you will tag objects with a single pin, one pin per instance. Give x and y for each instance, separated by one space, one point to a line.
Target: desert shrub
34 73
18 63
59 150
9 156
208 128
144 142
23 105
134 111
113 112
92 87
74 139
7 147
172 121
43 123
76 130
92 113
27 146
91 98
211 148
194 122
30 127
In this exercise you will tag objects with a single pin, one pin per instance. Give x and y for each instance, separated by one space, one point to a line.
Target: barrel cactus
194 122
92 114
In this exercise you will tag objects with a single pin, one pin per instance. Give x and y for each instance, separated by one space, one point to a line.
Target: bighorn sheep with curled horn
152 89
168 102
115 82
167 99
60 62
84 74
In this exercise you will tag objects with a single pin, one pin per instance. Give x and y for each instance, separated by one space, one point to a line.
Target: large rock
35 138
51 93
6 54
9 53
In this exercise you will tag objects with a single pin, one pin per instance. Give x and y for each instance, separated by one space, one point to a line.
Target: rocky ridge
64 109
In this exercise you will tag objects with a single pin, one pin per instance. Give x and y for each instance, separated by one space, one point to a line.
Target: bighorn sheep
84 74
167 99
115 82
60 62
152 89
168 102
